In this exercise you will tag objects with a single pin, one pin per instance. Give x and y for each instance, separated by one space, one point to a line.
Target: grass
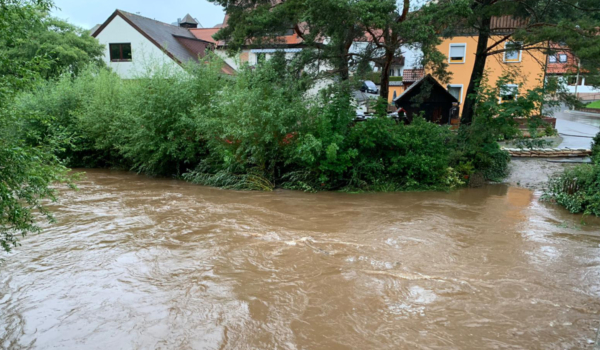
594 105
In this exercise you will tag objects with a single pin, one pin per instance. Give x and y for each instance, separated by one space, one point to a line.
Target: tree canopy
64 47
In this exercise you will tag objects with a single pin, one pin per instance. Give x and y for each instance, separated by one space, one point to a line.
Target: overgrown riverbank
578 189
257 130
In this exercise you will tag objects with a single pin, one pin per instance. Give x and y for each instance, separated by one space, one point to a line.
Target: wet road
577 128
141 263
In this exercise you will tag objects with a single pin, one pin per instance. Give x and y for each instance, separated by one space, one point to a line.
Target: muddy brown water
139 263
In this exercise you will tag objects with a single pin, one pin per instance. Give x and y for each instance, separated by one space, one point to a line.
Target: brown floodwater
140 263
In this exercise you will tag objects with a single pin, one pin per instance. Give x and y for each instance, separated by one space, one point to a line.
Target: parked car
369 87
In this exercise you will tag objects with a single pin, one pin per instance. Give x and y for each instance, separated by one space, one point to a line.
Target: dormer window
562 58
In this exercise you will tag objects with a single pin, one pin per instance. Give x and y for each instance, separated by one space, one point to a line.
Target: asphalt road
577 128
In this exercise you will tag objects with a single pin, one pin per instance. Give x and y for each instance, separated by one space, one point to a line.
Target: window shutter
457 51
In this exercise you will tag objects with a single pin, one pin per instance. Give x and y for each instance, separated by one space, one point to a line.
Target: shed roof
429 78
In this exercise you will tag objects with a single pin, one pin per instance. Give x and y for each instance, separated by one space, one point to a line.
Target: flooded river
141 263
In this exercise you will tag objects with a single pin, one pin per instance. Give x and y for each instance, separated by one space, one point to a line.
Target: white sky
88 13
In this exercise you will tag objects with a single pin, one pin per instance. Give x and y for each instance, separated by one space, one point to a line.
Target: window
552 59
562 58
261 57
120 52
457 53
513 52
456 91
509 92
573 80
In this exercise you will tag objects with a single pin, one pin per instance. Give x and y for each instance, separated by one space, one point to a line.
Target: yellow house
396 89
460 52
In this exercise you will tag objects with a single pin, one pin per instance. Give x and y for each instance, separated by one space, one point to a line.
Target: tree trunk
478 71
384 92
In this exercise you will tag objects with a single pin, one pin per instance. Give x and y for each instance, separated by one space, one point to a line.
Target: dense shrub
577 189
258 130
596 148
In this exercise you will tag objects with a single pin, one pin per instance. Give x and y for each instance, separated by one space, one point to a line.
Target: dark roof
418 83
178 43
161 34
189 20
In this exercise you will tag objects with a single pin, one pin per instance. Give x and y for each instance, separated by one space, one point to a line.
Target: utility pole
577 80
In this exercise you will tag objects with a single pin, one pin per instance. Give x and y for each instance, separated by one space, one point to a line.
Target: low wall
589 110
548 152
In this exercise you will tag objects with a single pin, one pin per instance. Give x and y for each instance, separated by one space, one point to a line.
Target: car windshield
369 84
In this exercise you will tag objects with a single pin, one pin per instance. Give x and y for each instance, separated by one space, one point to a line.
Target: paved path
577 128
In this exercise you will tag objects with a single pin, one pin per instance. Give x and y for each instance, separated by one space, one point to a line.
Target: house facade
460 52
135 45
563 65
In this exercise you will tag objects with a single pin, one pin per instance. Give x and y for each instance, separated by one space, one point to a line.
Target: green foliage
596 148
577 189
252 122
395 78
595 104
370 155
27 172
476 144
374 77
255 131
148 125
28 161
65 47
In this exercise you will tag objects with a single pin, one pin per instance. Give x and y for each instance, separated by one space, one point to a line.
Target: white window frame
516 89
520 52
461 86
450 51
563 55
551 57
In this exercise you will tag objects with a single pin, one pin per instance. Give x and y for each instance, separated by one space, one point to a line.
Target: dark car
370 87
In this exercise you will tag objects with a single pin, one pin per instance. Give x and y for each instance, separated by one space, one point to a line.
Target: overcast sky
88 13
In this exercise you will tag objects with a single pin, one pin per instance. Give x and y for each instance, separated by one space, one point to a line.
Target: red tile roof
205 34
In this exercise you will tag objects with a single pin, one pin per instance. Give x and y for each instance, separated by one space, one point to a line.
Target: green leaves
577 189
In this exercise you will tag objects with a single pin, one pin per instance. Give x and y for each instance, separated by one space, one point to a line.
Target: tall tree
65 47
28 165
328 26
573 23
391 27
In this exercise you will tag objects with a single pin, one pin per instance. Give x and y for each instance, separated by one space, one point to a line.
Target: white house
135 44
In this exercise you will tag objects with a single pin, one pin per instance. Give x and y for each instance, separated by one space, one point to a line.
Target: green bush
258 130
577 189
596 148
